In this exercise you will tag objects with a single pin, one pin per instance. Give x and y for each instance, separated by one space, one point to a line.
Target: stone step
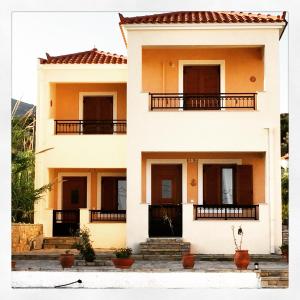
60 240
169 247
58 246
274 282
274 273
164 240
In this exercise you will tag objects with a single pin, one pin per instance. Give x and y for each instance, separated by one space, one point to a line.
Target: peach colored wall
67 98
160 67
192 175
53 175
257 160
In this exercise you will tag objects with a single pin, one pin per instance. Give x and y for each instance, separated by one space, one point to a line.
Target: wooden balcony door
165 211
201 80
98 115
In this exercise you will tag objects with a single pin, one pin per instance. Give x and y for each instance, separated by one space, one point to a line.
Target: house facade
181 138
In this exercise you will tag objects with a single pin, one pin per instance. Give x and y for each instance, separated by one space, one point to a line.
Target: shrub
85 245
123 253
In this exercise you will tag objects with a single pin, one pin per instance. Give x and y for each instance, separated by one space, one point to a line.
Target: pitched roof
93 56
198 17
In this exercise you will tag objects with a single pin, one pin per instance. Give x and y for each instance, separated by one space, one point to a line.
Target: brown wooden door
98 114
74 192
211 185
201 80
111 193
166 184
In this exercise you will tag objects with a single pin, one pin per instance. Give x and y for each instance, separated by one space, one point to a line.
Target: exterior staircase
59 242
274 278
163 248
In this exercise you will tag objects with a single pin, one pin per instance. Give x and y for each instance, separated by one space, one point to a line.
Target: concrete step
164 240
59 242
274 273
274 282
172 243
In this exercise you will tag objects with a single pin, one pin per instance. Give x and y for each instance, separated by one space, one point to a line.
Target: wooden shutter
109 194
211 185
244 185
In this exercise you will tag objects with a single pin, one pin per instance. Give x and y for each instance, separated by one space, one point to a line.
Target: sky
35 33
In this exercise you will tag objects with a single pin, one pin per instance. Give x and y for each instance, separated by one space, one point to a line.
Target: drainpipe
269 172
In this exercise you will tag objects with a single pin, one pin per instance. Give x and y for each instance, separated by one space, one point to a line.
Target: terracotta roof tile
87 57
197 17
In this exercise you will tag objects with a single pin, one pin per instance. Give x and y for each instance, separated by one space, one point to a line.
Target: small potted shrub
66 259
123 258
241 257
285 251
84 245
13 264
188 260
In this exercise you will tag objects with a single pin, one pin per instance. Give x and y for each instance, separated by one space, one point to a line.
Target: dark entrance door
165 211
201 81
98 115
66 220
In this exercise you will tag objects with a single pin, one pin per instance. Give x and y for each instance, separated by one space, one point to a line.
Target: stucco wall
66 102
257 160
161 65
26 237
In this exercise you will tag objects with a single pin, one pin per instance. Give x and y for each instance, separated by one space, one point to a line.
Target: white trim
201 162
183 162
182 63
74 174
99 177
83 94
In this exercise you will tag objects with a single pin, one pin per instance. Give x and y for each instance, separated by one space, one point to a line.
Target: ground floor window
227 184
113 193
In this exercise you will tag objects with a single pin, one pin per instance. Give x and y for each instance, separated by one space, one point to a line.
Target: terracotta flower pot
67 260
285 255
13 264
188 261
242 259
123 263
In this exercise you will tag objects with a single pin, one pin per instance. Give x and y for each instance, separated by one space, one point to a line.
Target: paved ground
142 266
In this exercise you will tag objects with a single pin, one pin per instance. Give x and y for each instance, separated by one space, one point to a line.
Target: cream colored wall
215 236
105 235
162 66
205 131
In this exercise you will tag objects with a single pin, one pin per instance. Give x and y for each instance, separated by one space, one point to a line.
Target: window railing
90 126
189 101
226 212
107 216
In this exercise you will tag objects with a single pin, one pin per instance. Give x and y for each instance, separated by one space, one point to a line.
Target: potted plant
285 251
188 260
84 245
241 257
66 259
123 258
13 264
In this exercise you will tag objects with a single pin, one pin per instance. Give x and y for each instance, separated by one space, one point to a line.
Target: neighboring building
185 133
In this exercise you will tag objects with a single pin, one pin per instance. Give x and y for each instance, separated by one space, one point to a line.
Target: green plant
84 245
241 234
123 252
284 248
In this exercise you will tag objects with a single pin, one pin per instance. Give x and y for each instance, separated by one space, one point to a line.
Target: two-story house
179 139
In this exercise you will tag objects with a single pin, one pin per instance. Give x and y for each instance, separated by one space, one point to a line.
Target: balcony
107 216
90 126
226 212
189 101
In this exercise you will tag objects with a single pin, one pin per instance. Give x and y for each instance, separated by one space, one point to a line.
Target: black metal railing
90 126
189 101
165 220
226 212
107 216
65 222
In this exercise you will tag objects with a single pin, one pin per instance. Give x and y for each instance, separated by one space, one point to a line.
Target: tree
23 192
284 136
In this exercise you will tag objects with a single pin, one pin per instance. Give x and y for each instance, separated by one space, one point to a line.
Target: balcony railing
90 126
107 216
226 212
187 101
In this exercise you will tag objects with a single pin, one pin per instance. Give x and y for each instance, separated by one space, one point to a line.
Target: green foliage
285 186
123 252
85 246
284 128
22 176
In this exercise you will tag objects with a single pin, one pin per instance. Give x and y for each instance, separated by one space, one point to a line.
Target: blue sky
35 33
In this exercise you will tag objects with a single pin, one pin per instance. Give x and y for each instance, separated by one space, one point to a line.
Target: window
166 189
113 193
122 191
227 184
